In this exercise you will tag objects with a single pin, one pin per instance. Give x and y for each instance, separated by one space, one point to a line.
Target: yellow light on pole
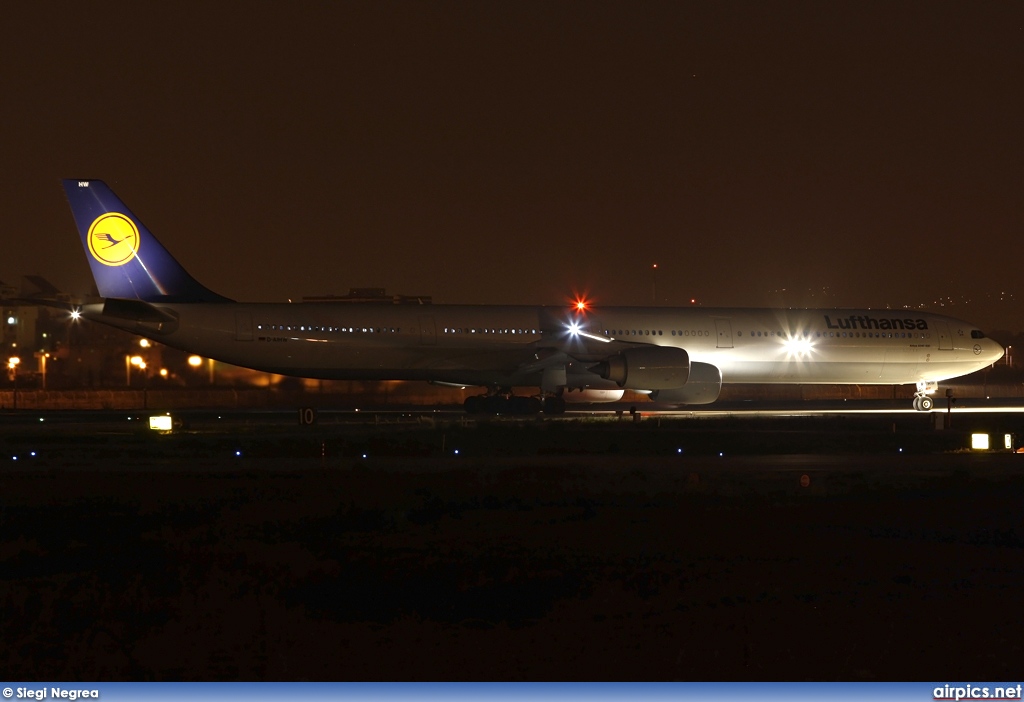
12 373
195 361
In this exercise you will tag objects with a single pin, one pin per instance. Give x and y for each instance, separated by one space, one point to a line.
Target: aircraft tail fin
127 261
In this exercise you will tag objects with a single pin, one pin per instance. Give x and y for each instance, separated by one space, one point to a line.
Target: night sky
762 153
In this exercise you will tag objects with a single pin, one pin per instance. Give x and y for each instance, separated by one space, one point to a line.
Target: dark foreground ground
126 556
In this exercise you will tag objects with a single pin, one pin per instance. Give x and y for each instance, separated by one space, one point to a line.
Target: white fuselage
513 345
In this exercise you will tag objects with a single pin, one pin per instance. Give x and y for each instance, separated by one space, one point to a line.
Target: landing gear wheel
922 398
523 406
500 404
554 405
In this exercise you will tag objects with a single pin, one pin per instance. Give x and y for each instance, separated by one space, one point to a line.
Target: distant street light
42 356
197 361
12 371
130 361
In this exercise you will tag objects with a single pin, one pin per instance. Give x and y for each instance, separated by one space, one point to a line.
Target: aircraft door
724 329
428 336
945 338
243 326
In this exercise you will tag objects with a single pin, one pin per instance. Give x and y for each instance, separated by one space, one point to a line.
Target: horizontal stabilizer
147 319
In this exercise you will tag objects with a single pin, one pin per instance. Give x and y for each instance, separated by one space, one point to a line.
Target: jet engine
703 387
646 368
593 395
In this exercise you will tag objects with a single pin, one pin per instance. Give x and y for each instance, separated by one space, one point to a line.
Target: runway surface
763 548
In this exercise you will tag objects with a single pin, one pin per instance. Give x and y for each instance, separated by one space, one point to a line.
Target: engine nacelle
593 395
646 368
703 387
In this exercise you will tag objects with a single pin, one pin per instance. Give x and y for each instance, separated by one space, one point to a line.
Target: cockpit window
977 334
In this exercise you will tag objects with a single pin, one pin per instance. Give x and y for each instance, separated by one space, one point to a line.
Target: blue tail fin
126 259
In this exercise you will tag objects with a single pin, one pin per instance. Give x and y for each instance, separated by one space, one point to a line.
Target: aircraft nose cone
993 351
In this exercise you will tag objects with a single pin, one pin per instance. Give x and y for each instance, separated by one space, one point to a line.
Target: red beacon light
579 303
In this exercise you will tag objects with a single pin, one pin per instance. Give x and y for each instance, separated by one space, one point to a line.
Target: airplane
678 356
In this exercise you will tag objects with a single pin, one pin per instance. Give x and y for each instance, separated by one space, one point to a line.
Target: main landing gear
922 401
554 404
504 402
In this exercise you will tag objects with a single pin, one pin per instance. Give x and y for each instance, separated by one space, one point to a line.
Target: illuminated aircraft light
798 346
238 454
579 303
574 330
76 314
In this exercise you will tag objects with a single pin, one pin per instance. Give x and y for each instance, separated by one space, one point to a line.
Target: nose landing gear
922 401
